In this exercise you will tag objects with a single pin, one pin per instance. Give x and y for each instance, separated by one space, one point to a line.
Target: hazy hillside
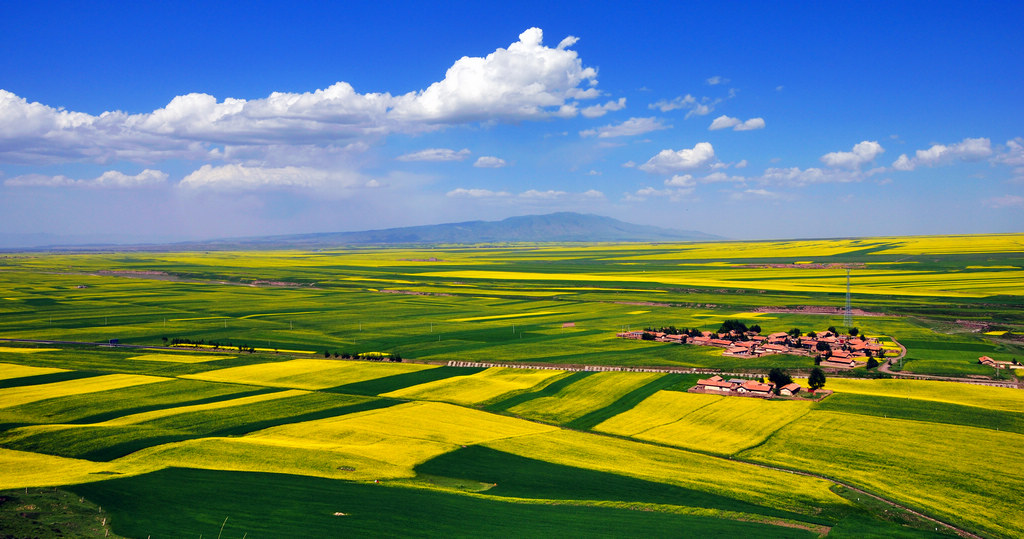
563 226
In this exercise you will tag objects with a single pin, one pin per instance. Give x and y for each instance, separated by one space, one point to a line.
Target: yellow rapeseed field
350 458
705 422
17 350
952 471
433 421
15 396
480 387
179 358
503 316
308 373
999 398
13 370
376 444
586 395
674 466
19 469
175 410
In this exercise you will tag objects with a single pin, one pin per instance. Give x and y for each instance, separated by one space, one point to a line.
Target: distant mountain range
554 227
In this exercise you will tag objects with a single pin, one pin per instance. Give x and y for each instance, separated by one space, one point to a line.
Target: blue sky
172 121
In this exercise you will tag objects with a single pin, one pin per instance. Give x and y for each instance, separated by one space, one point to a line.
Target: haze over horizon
152 123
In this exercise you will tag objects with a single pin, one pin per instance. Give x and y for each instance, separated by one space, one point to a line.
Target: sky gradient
144 122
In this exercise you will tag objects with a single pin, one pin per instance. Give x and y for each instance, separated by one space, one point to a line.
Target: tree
822 346
732 325
854 332
795 332
832 330
779 377
647 336
812 334
872 363
817 379
755 328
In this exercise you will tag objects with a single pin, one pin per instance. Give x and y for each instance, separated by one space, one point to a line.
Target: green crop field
347 398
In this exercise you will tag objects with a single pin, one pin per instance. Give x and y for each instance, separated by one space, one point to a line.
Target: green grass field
281 443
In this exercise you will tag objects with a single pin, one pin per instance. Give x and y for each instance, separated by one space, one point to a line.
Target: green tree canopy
732 325
779 377
817 379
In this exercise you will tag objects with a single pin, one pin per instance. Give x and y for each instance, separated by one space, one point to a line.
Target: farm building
716 383
838 363
755 388
789 389
985 360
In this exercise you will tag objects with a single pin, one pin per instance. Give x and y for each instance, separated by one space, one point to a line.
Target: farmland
271 415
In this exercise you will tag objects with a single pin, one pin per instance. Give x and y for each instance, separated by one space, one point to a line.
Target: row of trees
393 356
779 377
216 345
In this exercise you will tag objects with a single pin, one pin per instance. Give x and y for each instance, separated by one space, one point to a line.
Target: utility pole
848 316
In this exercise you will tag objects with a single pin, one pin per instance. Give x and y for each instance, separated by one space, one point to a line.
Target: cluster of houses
748 388
836 351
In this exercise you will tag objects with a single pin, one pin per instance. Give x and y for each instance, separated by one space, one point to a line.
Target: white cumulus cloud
525 81
596 111
489 161
111 179
725 122
477 193
862 153
694 106
240 177
969 149
628 128
671 161
435 154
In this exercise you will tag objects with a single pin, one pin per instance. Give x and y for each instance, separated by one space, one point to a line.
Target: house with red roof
716 383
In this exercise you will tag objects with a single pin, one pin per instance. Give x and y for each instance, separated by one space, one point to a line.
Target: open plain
319 387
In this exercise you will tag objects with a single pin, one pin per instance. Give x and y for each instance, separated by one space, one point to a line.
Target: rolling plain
316 393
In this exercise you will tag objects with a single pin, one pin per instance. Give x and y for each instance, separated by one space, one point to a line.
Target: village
829 348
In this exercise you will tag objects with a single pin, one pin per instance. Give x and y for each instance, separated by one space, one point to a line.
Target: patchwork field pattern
705 422
942 469
584 396
178 358
13 370
307 373
492 384
22 395
996 398
133 423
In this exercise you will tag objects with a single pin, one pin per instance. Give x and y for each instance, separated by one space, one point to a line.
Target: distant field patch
177 410
493 383
584 396
997 398
308 373
502 316
12 370
638 312
25 394
903 460
19 350
678 467
704 422
261 315
179 358
375 444
24 469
